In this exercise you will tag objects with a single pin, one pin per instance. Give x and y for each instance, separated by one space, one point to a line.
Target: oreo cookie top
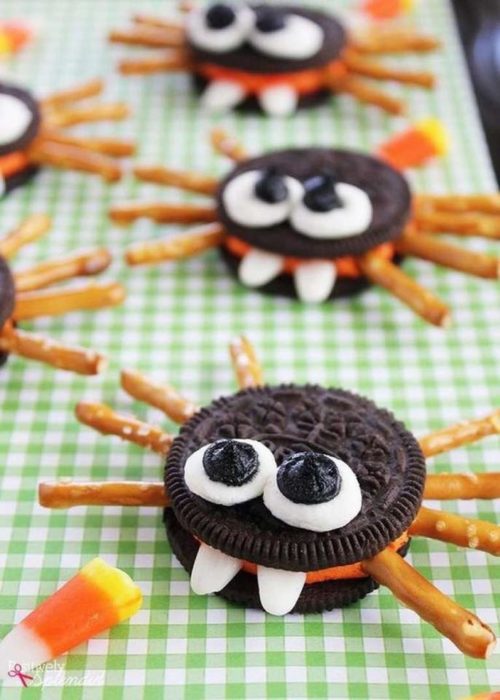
264 38
19 118
296 457
7 292
314 202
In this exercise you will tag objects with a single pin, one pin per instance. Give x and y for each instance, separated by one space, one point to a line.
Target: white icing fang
15 118
222 95
279 590
259 267
278 101
315 280
212 570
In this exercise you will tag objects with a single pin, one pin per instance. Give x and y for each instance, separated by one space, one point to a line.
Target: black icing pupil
220 16
271 187
321 193
230 462
270 19
309 478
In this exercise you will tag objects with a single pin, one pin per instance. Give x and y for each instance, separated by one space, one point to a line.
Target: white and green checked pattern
176 325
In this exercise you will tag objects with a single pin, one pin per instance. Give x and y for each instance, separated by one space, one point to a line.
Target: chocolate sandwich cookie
304 481
7 298
19 119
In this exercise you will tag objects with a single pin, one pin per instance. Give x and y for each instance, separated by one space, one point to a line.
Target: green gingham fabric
176 325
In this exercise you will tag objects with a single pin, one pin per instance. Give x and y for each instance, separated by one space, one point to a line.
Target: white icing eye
314 491
220 28
284 35
15 119
228 472
331 209
260 198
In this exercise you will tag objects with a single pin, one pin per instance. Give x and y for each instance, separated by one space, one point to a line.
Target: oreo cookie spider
297 498
23 297
33 133
323 223
273 57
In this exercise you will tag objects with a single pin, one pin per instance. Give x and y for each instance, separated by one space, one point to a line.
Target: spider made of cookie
323 223
33 133
298 498
273 57
24 297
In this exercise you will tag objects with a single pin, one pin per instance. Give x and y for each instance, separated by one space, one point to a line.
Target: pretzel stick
73 158
393 41
74 94
56 302
467 224
29 230
162 213
364 92
226 145
192 182
245 363
153 21
174 61
464 532
146 36
446 487
91 262
115 148
84 115
103 419
176 247
163 397
434 250
460 434
388 275
484 203
35 347
464 629
68 494
357 63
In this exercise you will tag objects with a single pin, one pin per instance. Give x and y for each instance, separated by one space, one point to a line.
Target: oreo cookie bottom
21 178
243 590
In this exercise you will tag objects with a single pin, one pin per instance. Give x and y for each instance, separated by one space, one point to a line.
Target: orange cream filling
303 82
346 267
13 163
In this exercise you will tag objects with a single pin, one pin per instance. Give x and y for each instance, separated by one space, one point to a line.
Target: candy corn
97 598
386 9
14 35
425 140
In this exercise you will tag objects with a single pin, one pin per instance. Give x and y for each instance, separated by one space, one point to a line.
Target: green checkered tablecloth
175 325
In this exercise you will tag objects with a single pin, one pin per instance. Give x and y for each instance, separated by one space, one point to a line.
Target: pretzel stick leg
74 94
148 37
351 85
360 65
28 231
426 247
103 419
154 21
460 434
74 158
385 41
173 62
176 247
67 494
163 397
35 347
65 117
227 146
192 182
47 273
446 487
464 532
56 302
464 629
116 148
456 203
124 214
245 362
461 224
388 275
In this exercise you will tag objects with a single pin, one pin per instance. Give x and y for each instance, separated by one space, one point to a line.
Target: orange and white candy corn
415 146
97 598
386 9
14 34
